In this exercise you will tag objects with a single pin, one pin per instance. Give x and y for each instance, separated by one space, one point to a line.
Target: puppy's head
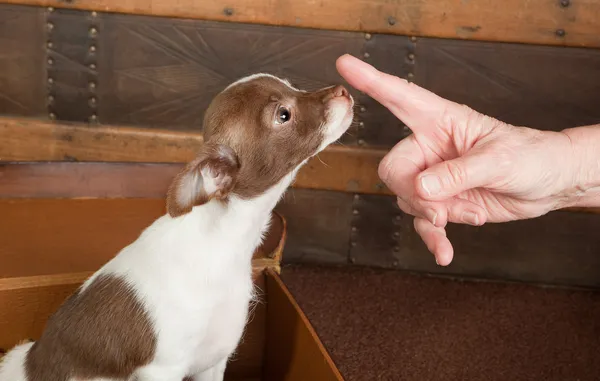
257 131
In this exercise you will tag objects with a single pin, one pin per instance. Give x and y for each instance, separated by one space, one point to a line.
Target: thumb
451 177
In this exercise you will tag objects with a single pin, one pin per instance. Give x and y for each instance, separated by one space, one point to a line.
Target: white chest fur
194 276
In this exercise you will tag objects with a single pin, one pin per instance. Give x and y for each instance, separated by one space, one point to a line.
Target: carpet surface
388 325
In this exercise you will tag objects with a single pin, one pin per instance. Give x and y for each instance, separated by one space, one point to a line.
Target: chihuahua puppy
174 303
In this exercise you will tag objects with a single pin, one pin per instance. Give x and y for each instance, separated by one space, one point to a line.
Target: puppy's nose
336 92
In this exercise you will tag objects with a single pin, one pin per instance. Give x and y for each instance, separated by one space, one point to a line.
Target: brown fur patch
103 331
243 117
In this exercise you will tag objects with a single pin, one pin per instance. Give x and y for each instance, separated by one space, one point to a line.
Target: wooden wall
128 81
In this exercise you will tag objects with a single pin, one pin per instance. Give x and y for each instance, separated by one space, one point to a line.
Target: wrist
583 161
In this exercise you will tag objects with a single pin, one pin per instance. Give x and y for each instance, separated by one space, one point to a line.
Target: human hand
461 166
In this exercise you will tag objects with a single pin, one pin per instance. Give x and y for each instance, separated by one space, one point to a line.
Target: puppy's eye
283 115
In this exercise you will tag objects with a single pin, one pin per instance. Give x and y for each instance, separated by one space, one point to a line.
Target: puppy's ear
211 175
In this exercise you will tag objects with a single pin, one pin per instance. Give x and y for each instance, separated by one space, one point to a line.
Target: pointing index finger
415 106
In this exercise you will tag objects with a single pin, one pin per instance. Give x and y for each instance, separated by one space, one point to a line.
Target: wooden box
60 222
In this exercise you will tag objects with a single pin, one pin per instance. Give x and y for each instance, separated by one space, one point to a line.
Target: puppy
174 303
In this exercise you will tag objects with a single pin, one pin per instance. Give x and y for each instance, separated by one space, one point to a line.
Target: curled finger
436 241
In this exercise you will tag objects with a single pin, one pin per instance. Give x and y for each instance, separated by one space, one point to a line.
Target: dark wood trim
548 22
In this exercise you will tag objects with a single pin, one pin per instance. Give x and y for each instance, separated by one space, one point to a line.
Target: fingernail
431 184
431 215
470 218
436 261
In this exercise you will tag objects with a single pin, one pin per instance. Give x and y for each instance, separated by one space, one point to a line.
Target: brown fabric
388 325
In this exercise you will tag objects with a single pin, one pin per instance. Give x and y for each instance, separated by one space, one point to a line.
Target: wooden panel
540 87
164 72
337 168
22 61
375 228
560 248
536 21
393 55
72 64
318 226
294 351
53 236
74 180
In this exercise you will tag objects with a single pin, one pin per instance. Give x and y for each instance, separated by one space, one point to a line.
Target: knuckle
456 173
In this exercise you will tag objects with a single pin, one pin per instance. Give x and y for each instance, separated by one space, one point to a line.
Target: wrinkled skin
461 166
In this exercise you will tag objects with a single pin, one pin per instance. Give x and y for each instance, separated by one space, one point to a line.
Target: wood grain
561 248
57 236
318 226
191 61
337 168
22 61
534 22
294 351
535 86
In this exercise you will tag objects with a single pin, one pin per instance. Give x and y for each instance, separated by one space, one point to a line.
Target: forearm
585 143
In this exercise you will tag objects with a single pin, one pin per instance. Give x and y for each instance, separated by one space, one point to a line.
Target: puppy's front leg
216 373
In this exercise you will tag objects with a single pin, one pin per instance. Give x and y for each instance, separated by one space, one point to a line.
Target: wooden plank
318 226
294 351
27 303
22 61
561 248
163 73
337 168
534 86
55 236
72 65
536 22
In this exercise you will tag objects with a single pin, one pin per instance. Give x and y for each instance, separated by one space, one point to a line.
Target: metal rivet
410 75
565 3
93 118
93 66
228 11
50 26
92 48
411 56
397 249
94 14
397 218
396 234
50 9
560 32
356 197
413 39
368 36
352 260
93 32
405 128
49 44
355 212
52 116
361 142
92 86
395 263
92 102
366 55
354 229
353 244
361 124
363 109
50 80
50 61
50 99
391 20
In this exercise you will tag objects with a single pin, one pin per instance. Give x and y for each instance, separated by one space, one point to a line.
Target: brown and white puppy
174 303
